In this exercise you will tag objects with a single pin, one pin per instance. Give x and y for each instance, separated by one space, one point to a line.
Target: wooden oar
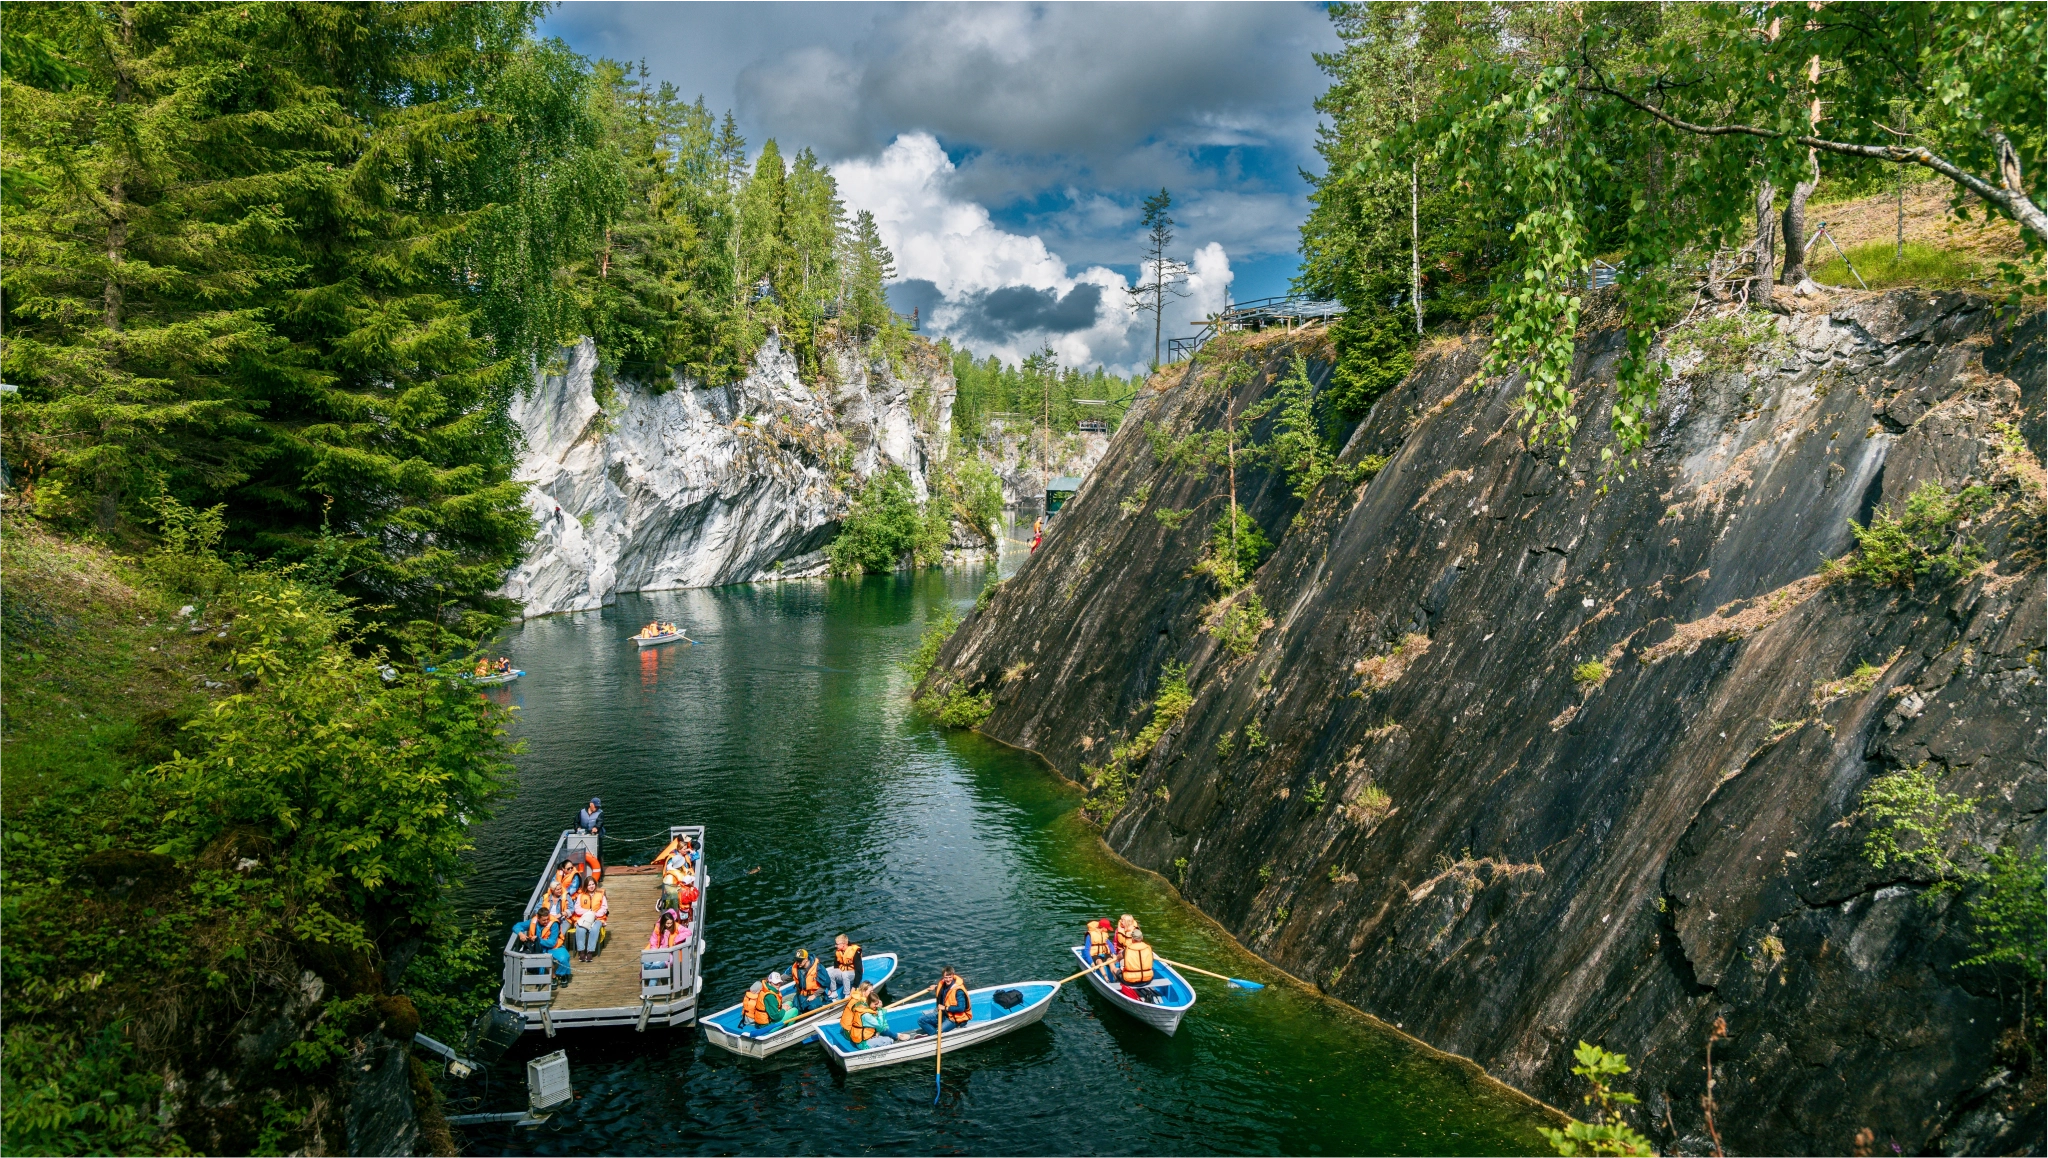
1239 982
907 1000
938 1055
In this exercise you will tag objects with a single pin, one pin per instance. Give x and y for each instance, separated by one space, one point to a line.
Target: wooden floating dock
626 984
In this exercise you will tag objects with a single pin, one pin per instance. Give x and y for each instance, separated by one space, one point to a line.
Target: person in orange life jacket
763 1010
678 845
1125 926
846 970
810 992
862 1018
568 879
674 879
1134 965
1100 948
592 910
953 1002
542 933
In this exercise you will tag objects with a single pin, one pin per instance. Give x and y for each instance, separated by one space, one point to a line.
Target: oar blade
1241 983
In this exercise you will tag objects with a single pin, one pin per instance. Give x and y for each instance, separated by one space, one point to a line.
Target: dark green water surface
830 808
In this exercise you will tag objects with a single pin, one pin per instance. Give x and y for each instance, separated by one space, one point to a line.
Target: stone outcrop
1519 763
699 486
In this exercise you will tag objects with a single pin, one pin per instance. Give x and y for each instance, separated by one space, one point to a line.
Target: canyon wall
699 486
1521 760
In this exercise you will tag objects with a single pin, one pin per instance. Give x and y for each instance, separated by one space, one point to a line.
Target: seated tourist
668 933
862 1019
592 909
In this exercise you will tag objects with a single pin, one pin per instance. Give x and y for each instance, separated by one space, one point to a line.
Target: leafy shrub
957 707
1928 541
1254 737
884 525
1225 744
1910 818
988 590
1110 785
184 561
1590 674
1170 518
936 633
1236 548
1600 1136
1238 622
1135 501
2008 926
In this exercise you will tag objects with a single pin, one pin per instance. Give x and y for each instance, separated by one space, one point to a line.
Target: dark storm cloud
1005 313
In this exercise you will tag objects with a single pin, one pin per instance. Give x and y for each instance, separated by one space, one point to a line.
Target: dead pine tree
1163 277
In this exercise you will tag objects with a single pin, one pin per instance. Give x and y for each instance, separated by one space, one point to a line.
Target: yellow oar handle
1192 969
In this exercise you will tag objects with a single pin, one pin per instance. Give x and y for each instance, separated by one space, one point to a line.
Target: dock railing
530 977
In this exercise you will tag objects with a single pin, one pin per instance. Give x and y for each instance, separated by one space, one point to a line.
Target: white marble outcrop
697 487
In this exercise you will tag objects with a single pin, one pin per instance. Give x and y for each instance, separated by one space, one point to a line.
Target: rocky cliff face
695 487
1404 795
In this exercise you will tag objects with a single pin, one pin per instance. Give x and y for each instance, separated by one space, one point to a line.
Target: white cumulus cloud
1005 293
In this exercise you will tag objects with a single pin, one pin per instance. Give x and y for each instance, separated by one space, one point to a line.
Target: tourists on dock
591 818
526 934
592 910
810 993
862 1018
846 970
952 1003
1136 965
568 881
668 933
673 881
677 846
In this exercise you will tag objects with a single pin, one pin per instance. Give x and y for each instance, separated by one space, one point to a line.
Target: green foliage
968 489
1921 265
884 525
1254 737
957 708
1134 502
79 1094
1600 1136
1225 744
1301 446
1314 795
1910 819
1581 140
455 974
1027 395
184 560
936 633
1170 518
2007 920
1375 351
1238 623
1110 785
1235 549
296 261
1590 674
988 590
1929 541
1725 343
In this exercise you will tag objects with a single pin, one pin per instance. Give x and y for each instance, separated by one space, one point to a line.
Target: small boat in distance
722 1028
1175 995
656 634
497 677
990 1021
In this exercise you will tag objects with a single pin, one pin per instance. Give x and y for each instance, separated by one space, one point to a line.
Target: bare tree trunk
1415 241
1795 227
1766 249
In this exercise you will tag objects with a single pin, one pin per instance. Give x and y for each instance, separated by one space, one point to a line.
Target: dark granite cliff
1443 827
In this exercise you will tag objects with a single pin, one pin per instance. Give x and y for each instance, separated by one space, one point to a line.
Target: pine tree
1163 277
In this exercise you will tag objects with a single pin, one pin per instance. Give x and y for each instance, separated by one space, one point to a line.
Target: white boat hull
658 640
1164 1018
981 1029
877 969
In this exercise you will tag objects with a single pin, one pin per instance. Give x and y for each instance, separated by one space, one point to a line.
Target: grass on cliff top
1922 266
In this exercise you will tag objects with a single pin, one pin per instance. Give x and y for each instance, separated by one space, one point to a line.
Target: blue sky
1005 149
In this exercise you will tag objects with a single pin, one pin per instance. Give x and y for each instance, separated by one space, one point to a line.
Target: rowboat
658 640
1174 995
990 1020
722 1029
495 678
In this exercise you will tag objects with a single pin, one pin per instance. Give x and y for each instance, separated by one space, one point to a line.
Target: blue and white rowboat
1175 996
496 678
646 641
722 1029
990 1020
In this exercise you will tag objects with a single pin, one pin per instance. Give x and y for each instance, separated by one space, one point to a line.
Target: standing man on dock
846 970
591 819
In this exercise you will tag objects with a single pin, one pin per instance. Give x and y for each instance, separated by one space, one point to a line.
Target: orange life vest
849 1021
806 978
754 1007
1137 964
844 957
946 992
1098 940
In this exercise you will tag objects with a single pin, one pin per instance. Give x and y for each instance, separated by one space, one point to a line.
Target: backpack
1009 998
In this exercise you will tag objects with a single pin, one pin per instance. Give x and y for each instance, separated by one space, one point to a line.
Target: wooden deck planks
613 979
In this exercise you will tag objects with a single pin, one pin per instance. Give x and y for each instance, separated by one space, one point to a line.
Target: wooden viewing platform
626 983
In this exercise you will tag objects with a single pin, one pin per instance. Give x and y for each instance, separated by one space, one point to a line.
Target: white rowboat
722 1029
495 678
658 640
990 1020
1175 994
